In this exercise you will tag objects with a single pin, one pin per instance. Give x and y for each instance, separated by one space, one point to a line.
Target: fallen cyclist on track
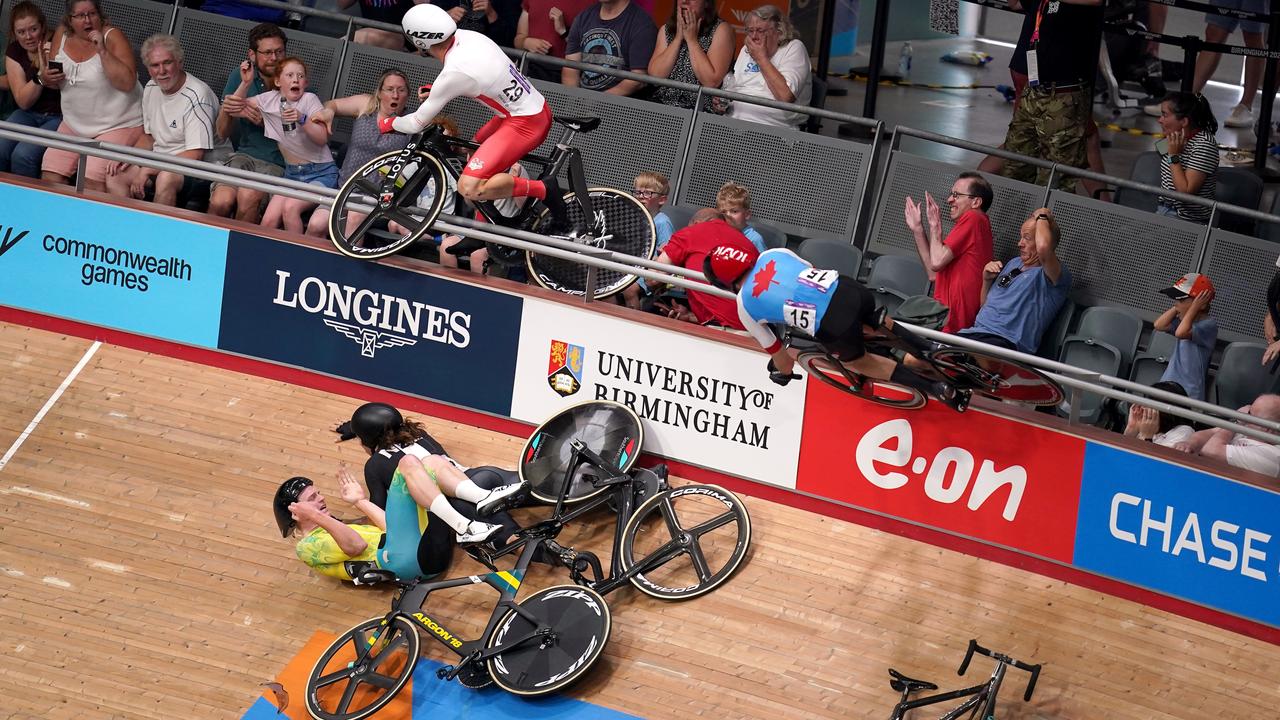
779 287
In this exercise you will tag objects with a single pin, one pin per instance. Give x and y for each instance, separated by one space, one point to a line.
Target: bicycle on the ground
670 543
392 201
965 369
981 699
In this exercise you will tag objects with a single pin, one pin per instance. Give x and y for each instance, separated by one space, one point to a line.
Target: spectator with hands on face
1161 428
695 47
773 64
1196 333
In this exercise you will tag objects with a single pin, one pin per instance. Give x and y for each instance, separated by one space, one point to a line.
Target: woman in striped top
1191 165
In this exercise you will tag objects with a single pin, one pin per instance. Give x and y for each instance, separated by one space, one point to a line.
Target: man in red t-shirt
955 263
689 248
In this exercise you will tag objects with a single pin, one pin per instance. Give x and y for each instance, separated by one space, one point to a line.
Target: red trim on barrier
769 493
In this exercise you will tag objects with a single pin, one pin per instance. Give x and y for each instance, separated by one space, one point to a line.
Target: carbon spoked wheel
819 366
686 541
997 377
366 224
621 225
569 628
363 670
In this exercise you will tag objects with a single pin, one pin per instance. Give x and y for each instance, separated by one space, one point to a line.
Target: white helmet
426 25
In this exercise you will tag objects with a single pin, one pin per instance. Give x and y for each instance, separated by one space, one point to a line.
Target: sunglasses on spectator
1005 280
647 193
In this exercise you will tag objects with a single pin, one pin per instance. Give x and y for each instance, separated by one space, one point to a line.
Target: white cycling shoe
478 532
499 498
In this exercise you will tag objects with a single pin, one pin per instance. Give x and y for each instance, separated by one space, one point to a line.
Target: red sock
530 188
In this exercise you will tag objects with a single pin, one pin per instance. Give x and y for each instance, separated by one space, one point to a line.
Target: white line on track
66 383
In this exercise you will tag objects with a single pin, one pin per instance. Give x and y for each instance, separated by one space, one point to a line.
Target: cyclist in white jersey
474 66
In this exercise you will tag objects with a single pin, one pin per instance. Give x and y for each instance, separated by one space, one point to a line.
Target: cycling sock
906 376
441 508
524 187
469 491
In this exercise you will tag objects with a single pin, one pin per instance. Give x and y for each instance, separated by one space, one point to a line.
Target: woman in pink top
94 67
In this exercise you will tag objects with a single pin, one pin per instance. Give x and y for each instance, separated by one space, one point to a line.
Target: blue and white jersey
784 288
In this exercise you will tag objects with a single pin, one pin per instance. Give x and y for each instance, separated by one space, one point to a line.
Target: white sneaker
1241 116
477 532
498 498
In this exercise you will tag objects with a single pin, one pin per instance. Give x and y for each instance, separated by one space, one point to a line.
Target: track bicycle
981 699
966 370
392 201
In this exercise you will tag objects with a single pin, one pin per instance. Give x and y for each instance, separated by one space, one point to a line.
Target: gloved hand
778 377
386 125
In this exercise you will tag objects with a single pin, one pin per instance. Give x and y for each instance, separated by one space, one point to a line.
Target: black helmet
369 423
286 495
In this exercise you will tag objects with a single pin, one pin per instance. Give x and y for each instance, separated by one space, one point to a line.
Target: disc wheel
363 669
820 366
621 225
574 622
997 377
609 429
686 541
362 225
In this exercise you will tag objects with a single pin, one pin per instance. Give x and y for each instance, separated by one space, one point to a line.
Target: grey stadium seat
1146 170
1089 354
1237 186
895 278
832 254
1241 377
773 237
1116 327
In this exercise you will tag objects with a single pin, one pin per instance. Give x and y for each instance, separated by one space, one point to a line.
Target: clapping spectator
1197 333
241 122
38 106
772 64
616 34
178 112
1162 428
303 144
1191 165
693 47
496 18
101 97
542 29
734 202
1241 451
956 263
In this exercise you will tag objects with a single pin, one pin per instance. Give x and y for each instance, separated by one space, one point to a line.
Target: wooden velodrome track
143 577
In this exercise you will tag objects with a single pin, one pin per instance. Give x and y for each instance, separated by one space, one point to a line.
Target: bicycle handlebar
1002 659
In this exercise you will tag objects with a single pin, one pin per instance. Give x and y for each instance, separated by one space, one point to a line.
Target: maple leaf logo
763 278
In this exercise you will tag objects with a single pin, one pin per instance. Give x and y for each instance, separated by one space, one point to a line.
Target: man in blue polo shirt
1021 298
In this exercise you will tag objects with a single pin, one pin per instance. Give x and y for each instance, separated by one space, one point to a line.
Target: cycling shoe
951 396
466 247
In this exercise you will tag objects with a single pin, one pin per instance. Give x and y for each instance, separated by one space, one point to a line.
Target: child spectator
651 189
734 201
1196 332
303 144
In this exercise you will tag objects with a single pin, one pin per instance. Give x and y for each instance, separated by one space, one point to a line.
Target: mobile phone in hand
55 65
1162 146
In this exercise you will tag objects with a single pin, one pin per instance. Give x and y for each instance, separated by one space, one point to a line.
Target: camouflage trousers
1051 127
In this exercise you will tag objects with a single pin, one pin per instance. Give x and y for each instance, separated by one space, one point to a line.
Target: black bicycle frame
988 691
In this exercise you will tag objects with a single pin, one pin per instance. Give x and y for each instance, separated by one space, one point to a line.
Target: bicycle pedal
442 672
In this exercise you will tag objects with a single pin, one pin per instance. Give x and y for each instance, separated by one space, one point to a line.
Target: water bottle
286 126
904 61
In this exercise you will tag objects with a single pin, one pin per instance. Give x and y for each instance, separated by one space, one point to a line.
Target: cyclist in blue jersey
779 287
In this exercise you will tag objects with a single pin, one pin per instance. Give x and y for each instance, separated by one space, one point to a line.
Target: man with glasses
1021 298
955 263
241 123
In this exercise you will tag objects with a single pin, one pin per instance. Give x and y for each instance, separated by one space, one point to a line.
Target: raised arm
447 87
1047 234
117 58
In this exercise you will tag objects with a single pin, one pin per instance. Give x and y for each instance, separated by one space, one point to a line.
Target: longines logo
373 320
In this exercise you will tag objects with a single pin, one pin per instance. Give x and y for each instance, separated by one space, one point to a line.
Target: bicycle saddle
901 682
579 124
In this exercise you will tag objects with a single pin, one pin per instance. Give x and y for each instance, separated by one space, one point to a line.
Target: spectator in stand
955 263
616 34
651 189
496 18
387 11
1241 451
1218 28
1271 321
1197 333
734 202
101 97
38 106
304 145
241 123
773 64
693 47
1191 165
541 30
1051 119
178 112
1021 298
1162 428
689 248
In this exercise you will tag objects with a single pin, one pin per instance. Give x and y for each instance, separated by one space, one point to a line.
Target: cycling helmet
286 495
728 263
369 423
426 25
